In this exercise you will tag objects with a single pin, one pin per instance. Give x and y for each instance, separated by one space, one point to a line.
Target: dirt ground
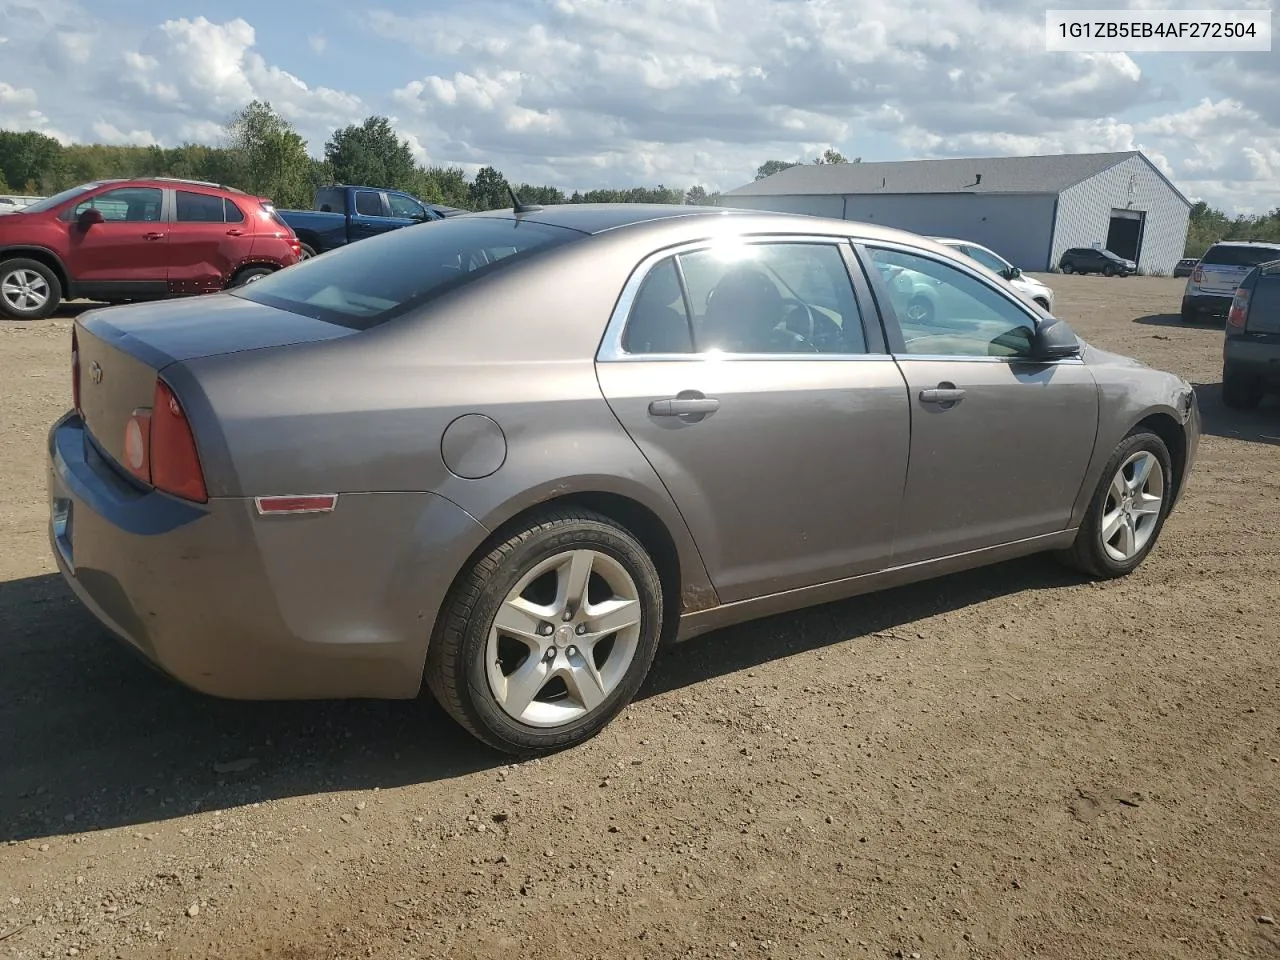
1004 763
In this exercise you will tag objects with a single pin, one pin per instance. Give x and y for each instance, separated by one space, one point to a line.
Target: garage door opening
1125 235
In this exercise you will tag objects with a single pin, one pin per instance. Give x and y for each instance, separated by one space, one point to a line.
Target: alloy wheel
564 638
1132 511
25 291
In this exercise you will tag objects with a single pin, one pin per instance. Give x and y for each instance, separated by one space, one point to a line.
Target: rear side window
200 208
659 322
368 283
233 212
329 200
1228 256
368 203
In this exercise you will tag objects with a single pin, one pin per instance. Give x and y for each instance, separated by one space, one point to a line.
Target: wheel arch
1165 426
41 255
681 592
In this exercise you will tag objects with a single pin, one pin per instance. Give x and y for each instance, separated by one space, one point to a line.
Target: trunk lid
123 349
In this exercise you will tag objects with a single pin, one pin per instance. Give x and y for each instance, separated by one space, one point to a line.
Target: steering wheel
818 328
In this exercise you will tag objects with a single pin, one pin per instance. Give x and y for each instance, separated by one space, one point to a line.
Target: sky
617 93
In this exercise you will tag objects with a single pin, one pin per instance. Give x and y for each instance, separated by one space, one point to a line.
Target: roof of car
599 217
1247 243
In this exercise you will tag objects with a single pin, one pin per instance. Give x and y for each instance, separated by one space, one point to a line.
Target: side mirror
90 217
1054 340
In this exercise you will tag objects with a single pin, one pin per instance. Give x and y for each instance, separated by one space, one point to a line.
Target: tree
371 154
541 195
835 156
770 167
696 196
446 185
30 161
269 158
489 190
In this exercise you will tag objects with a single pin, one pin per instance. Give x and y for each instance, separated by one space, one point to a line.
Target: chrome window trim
611 351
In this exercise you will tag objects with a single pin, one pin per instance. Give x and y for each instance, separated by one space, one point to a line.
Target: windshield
48 203
373 281
1240 256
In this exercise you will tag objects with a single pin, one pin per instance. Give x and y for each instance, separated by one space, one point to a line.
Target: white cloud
585 93
108 133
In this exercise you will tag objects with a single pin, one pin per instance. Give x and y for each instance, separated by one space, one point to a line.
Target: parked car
512 453
1213 283
1251 348
141 239
1185 266
1090 260
343 215
1032 288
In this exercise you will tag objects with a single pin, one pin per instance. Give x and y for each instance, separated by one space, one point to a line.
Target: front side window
987 259
402 206
126 205
772 298
946 312
368 203
200 208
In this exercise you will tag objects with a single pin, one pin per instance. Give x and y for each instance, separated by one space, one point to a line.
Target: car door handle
942 394
153 236
683 406
235 233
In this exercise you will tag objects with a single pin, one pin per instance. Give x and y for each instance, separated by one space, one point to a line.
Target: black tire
1068 268
1240 391
1044 304
1108 271
307 252
10 269
456 660
249 275
1087 554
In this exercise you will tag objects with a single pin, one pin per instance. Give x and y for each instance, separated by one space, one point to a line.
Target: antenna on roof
517 206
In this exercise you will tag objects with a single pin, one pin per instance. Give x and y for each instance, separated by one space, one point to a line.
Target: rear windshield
375 280
1264 304
1240 256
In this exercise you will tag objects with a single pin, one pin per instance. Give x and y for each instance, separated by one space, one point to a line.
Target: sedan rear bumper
1207 304
242 606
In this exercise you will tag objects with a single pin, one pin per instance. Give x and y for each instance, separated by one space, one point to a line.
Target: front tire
1127 511
1068 268
29 290
549 635
1108 271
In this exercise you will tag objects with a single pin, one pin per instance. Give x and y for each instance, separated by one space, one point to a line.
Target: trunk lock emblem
95 371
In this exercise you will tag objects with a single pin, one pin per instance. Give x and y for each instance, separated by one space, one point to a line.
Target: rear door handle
683 407
153 236
944 395
235 233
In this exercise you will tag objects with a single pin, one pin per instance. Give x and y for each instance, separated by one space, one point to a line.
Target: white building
1027 209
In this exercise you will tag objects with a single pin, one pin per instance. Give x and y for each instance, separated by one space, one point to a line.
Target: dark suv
118 240
1221 270
1251 349
1089 260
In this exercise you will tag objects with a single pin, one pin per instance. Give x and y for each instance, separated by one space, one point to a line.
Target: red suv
143 239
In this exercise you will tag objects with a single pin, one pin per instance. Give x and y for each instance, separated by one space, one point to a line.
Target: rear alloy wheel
249 275
1128 509
549 635
306 253
1240 391
28 290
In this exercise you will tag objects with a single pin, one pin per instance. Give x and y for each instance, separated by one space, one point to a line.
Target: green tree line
1209 226
262 153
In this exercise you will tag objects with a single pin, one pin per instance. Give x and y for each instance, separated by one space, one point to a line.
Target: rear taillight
1197 275
75 370
1239 311
160 449
175 462
296 246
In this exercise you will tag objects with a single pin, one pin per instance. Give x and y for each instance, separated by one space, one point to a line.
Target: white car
1028 286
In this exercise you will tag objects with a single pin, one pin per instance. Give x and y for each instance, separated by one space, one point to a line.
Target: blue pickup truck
343 215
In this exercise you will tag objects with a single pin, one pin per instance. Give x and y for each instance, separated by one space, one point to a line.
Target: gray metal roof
1042 174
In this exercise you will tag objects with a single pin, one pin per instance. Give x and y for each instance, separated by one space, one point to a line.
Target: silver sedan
511 453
